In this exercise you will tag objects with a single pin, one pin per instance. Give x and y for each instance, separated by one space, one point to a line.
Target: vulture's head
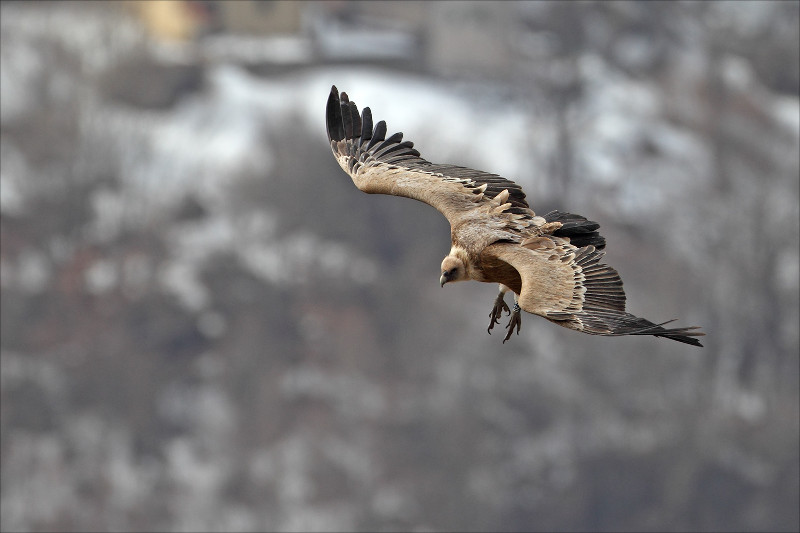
453 269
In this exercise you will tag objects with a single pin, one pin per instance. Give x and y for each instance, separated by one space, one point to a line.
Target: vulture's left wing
389 165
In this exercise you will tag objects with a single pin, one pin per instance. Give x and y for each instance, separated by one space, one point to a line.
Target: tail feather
619 324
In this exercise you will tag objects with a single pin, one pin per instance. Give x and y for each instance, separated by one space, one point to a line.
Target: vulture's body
551 263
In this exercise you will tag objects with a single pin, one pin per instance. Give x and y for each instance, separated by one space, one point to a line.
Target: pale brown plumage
550 263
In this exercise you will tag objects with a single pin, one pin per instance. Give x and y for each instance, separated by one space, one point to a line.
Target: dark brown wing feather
581 231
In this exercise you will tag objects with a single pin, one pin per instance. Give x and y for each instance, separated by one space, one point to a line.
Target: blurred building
170 21
185 20
449 38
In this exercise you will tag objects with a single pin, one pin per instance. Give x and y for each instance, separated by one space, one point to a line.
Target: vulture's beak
442 280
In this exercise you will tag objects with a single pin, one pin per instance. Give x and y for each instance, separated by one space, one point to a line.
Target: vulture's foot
500 305
514 322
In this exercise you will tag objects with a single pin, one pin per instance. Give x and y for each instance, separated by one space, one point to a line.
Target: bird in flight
551 263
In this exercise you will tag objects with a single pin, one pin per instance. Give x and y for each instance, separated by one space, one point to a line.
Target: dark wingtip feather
378 135
366 125
355 120
333 116
347 118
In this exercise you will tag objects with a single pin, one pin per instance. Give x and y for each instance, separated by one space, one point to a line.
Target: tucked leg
515 321
500 305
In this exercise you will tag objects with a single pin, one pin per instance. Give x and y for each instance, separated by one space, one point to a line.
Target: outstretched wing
569 286
382 165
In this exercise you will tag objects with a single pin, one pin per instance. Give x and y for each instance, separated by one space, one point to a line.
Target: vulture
551 263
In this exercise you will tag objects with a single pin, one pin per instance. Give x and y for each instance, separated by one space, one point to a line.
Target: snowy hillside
206 326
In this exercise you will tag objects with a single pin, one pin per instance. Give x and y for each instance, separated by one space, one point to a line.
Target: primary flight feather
550 263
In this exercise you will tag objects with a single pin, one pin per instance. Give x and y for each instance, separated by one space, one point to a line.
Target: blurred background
207 327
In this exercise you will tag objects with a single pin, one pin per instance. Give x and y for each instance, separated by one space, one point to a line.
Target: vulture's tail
628 324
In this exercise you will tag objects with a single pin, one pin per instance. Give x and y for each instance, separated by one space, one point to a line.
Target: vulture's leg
500 305
515 321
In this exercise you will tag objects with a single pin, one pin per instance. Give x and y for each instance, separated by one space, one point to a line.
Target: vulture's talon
500 305
514 322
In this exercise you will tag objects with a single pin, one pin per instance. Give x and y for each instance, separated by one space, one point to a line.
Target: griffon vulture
550 263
